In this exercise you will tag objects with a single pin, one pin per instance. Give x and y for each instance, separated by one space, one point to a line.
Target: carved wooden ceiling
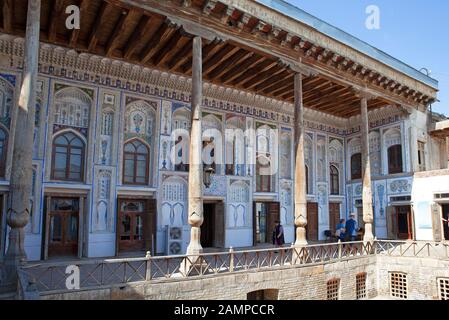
120 31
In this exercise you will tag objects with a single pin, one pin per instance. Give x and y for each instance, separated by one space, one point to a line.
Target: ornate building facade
110 173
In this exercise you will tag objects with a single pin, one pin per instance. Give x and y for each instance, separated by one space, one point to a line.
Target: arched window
3 149
395 159
356 166
135 163
68 157
335 180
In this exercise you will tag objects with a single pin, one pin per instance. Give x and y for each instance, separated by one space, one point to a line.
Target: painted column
195 163
300 168
18 213
367 197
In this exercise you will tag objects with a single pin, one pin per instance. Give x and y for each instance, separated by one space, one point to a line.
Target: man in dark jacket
351 228
278 234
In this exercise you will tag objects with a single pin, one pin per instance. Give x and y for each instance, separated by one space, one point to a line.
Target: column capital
298 67
363 93
196 30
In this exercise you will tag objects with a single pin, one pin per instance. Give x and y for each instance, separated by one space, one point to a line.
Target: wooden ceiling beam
165 49
180 56
336 103
233 60
164 31
136 36
249 73
279 77
319 91
55 15
241 67
226 52
288 87
208 49
8 15
287 81
329 96
101 15
308 84
73 42
124 19
262 76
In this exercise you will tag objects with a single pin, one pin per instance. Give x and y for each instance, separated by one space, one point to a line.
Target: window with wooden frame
3 151
135 163
398 285
360 286
333 288
68 157
443 286
421 156
356 166
395 159
334 180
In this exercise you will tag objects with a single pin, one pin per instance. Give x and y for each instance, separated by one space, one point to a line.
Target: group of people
345 231
348 230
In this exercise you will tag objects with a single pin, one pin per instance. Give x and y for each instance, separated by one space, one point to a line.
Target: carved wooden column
300 168
367 197
195 164
21 172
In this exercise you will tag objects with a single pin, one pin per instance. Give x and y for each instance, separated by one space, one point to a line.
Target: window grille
443 284
333 286
360 286
398 285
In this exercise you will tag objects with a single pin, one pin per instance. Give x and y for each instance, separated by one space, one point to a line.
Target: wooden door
207 228
273 215
63 227
391 222
334 216
254 223
445 214
133 225
403 222
149 223
219 225
312 221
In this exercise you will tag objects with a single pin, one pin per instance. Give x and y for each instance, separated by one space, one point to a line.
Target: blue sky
413 31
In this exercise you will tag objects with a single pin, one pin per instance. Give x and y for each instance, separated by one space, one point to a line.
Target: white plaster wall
33 246
239 237
101 245
423 191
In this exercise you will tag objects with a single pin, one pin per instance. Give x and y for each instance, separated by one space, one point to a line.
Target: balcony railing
52 277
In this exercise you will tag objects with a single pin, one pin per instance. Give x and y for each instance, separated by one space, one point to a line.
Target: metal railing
53 276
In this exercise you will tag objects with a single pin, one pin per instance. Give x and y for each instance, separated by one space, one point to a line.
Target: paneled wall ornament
400 186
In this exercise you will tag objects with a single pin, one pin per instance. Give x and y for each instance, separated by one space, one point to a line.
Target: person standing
340 231
351 228
278 234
